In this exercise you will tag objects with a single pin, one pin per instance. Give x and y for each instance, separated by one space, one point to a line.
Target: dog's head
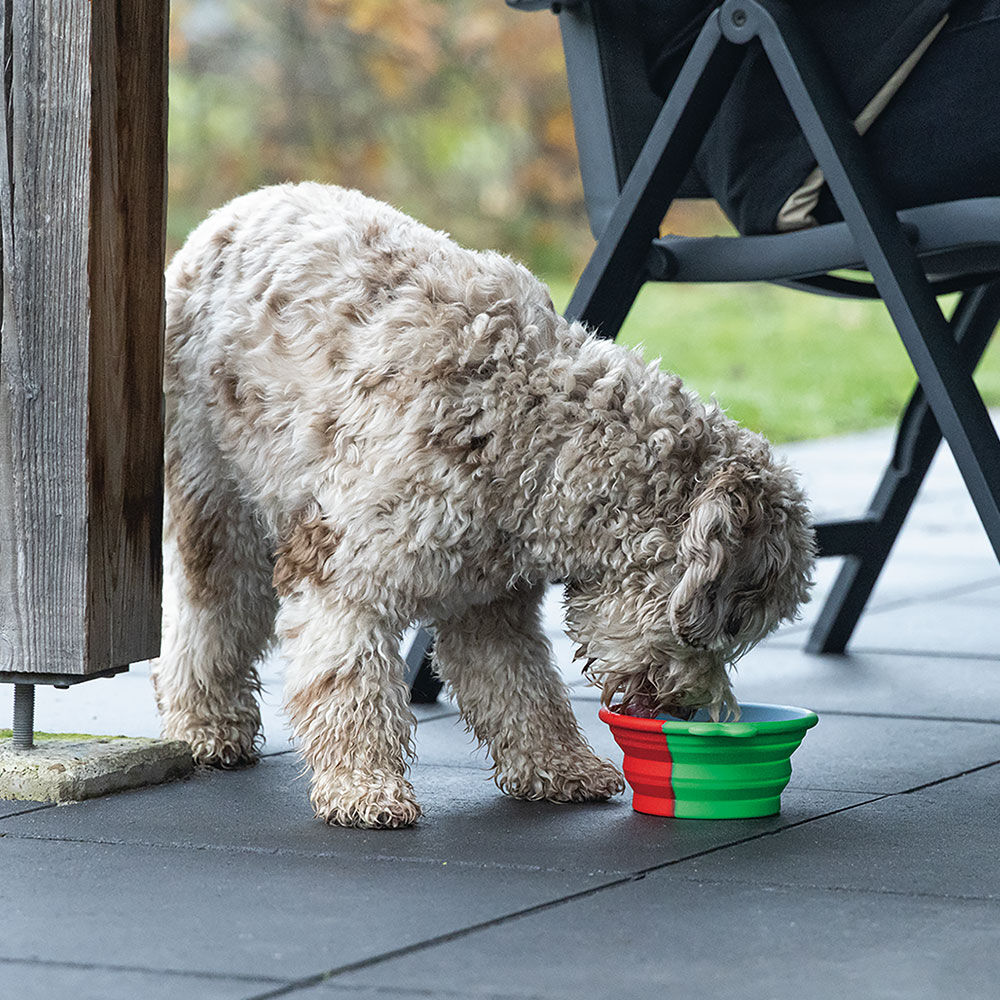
744 558
699 590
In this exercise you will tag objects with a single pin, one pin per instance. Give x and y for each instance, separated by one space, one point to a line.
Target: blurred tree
456 111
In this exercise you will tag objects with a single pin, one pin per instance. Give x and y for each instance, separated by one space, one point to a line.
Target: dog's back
304 321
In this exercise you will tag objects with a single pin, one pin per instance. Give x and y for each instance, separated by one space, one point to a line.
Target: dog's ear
708 554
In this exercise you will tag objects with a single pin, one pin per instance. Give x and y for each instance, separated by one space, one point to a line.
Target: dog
369 426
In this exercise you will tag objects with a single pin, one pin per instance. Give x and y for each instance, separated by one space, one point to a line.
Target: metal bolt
739 17
24 717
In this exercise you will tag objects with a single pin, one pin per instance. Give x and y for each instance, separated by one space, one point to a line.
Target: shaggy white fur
370 426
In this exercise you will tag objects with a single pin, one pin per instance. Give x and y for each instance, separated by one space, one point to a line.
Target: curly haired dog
370 426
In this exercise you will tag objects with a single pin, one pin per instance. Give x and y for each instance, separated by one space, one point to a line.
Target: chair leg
424 684
945 381
917 442
618 267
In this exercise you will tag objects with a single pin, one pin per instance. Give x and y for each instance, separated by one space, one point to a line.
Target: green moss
6 734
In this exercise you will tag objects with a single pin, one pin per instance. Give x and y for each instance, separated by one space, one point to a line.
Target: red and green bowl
701 769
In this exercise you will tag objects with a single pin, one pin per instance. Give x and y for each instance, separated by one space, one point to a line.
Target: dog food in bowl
699 769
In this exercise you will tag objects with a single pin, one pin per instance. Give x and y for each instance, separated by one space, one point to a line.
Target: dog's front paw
224 744
568 777
375 803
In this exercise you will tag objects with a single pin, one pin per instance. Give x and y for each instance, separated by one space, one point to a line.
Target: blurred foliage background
457 112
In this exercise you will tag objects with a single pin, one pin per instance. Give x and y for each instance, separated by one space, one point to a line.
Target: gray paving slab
870 754
225 885
265 912
41 980
839 472
942 544
966 625
986 598
917 570
123 705
467 823
666 935
938 841
842 753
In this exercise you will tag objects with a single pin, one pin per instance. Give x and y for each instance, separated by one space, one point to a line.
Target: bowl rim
803 719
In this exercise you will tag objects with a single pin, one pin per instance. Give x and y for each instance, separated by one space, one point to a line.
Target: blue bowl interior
749 713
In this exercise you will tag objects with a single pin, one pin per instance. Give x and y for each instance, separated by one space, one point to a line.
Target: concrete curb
68 768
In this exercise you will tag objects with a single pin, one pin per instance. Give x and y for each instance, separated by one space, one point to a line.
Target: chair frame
629 186
636 153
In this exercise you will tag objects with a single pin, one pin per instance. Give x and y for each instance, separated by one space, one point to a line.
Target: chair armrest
939 233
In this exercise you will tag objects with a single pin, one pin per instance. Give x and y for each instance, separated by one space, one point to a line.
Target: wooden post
82 204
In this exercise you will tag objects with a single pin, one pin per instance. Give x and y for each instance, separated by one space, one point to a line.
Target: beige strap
797 211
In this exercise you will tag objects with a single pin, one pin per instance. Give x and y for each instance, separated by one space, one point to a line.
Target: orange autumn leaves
455 110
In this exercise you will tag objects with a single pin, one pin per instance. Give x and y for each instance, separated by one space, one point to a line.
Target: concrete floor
880 878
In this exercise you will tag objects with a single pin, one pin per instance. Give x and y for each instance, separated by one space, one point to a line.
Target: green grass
784 363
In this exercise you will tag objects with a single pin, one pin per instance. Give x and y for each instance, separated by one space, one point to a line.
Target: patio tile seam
471 766
928 654
776 831
382 989
850 713
840 791
856 648
947 778
152 970
327 975
880 797
452 713
33 808
396 859
427 943
812 819
889 793
849 889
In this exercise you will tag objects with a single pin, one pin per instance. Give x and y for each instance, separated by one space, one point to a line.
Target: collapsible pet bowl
701 769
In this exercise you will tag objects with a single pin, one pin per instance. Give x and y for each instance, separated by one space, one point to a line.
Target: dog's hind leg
348 705
220 617
499 665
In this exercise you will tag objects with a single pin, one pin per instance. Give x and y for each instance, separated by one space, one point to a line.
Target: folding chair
635 153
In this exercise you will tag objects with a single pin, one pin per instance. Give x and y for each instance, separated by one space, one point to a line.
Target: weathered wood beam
82 206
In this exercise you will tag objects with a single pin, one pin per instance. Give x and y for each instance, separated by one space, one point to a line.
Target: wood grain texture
128 221
82 204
